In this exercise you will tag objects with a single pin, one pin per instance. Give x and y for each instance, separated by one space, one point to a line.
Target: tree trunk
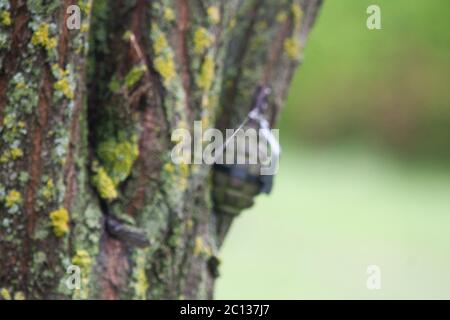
86 117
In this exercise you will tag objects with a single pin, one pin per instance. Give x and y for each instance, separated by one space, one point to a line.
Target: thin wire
227 142
254 114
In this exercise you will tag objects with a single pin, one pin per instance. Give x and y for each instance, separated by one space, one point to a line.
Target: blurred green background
365 173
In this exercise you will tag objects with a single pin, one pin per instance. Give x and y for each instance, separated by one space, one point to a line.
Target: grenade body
234 189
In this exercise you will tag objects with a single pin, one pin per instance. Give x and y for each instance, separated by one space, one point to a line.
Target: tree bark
86 119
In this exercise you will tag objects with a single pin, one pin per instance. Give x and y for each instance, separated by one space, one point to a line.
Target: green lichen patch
166 68
134 75
41 37
60 222
213 14
82 259
164 61
207 72
6 294
104 184
169 15
292 48
48 190
160 43
202 40
118 157
13 199
201 248
297 13
140 282
11 154
65 84
5 18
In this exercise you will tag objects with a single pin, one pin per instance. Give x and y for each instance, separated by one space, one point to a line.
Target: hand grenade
236 185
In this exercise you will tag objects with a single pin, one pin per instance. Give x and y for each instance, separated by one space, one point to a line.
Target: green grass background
364 178
333 213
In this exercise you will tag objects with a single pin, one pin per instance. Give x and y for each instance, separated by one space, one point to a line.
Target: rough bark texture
86 118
